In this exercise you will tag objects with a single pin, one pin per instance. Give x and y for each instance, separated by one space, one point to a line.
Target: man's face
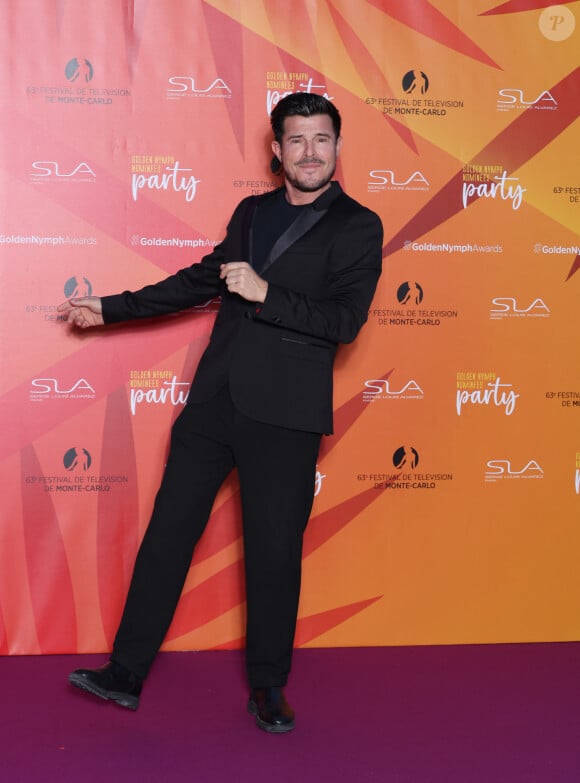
308 154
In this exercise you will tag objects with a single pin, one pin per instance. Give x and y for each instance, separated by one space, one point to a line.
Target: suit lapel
307 219
303 223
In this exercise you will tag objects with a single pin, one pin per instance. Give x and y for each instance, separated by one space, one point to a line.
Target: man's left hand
242 280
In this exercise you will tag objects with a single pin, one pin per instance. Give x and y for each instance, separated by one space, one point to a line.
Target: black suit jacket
277 356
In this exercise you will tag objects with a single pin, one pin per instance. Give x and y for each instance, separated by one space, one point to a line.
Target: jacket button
247 315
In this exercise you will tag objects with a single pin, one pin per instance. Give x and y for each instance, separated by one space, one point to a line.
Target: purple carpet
495 714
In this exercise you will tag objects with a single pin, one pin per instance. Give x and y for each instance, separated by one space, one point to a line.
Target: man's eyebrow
301 135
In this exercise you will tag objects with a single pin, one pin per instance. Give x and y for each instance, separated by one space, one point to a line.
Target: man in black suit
296 271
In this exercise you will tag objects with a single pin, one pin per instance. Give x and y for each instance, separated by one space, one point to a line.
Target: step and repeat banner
448 500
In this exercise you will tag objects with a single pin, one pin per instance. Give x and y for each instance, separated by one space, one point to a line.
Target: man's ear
277 150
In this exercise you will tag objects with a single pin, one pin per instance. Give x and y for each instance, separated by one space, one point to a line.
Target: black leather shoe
272 711
112 681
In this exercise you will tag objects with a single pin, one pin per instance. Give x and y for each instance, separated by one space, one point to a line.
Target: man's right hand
83 312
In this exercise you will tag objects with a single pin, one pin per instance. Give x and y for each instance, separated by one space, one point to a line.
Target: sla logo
502 468
78 286
490 395
77 458
507 306
406 457
410 293
379 389
385 179
168 181
50 168
500 188
184 86
79 69
514 99
44 388
415 81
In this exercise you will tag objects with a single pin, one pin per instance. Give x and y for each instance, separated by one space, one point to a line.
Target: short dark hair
304 104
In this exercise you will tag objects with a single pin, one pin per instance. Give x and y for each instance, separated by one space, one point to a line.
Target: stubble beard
312 186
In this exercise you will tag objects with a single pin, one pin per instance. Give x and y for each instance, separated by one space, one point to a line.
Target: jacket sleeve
354 268
188 287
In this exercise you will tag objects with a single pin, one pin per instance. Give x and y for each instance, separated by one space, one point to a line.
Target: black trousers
276 469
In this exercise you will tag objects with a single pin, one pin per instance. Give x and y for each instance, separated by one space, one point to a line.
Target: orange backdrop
447 507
